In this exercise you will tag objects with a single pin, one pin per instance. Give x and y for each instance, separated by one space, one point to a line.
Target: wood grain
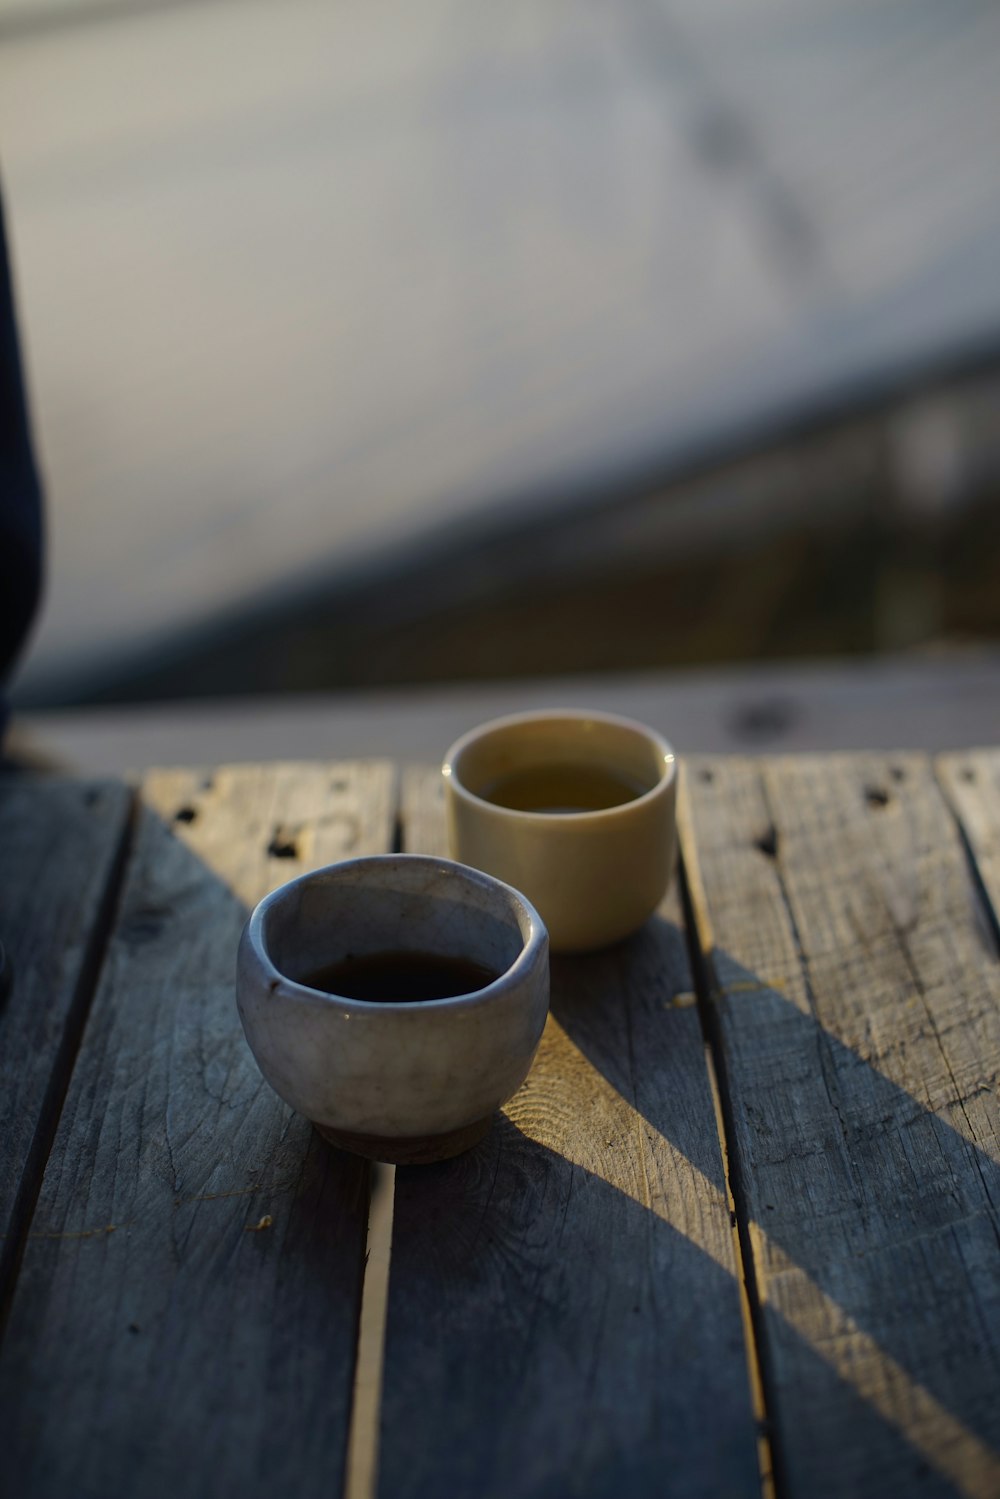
60 845
856 1008
564 1312
185 1317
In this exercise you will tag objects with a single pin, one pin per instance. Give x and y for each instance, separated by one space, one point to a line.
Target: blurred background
372 344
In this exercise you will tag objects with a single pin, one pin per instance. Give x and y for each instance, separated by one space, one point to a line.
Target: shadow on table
547 1335
578 1326
185 1315
889 1213
577 1330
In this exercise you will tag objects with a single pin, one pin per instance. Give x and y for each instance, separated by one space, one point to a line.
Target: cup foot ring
408 1150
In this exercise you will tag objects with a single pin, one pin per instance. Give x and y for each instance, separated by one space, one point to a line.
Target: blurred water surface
305 285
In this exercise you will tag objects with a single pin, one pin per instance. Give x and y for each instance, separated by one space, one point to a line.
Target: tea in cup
396 1001
575 809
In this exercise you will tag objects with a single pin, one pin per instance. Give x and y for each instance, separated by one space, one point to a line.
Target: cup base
408 1150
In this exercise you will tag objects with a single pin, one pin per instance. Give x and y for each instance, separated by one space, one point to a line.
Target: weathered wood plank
868 703
564 1312
971 782
60 846
856 1004
185 1318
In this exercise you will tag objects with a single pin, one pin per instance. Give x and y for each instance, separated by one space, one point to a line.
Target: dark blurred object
20 492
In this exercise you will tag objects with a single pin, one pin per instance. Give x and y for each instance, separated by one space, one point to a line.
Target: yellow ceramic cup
594 874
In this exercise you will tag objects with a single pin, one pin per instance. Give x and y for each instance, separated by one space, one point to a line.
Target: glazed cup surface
398 1080
594 876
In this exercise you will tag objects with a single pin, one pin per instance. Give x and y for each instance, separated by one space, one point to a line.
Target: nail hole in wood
768 843
706 775
282 845
876 797
338 785
186 814
208 784
898 773
968 774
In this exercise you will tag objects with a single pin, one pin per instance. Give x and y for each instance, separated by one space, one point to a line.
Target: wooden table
739 1227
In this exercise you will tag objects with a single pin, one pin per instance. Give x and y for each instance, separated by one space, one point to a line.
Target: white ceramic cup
407 1081
594 876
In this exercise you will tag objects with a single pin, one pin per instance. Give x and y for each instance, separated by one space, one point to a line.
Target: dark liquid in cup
564 788
400 977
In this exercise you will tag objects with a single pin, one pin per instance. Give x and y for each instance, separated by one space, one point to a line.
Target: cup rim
548 715
533 945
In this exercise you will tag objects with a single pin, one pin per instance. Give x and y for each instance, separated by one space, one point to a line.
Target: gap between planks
361 1471
697 933
961 778
366 1403
961 1455
85 988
